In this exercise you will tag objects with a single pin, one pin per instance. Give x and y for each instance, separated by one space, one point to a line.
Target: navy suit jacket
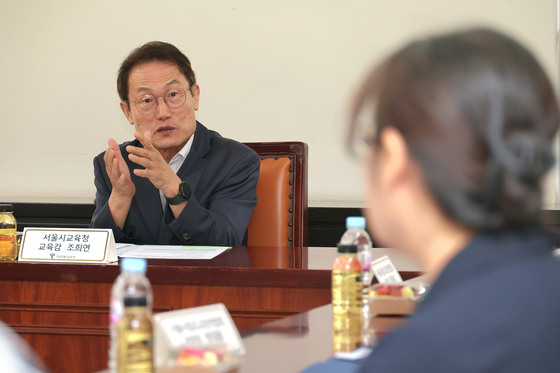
222 174
495 308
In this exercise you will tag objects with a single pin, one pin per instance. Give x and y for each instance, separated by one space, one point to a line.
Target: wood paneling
70 353
67 323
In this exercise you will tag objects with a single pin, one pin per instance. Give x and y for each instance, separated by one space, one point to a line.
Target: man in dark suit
178 182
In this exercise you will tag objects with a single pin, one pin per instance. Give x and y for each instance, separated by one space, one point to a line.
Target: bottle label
8 243
346 288
8 236
347 309
136 352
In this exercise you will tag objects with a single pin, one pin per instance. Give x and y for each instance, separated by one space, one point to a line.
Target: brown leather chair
280 216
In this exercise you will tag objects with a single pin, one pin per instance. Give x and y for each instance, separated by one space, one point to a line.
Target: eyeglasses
174 98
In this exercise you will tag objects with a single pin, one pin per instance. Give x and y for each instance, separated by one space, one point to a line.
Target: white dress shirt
175 164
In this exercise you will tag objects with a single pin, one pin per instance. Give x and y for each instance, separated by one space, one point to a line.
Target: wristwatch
184 195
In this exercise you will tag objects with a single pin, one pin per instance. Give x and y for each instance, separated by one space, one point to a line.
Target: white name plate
206 326
66 245
385 271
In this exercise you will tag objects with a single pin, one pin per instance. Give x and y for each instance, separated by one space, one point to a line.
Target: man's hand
123 187
118 171
156 168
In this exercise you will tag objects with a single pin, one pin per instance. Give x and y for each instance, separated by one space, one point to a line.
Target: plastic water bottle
8 233
131 283
347 300
356 235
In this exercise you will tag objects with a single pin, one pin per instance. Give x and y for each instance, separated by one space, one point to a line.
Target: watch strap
183 195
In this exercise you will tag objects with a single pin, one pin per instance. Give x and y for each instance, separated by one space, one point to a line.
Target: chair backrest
280 216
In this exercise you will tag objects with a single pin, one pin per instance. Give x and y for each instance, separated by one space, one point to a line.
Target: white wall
268 70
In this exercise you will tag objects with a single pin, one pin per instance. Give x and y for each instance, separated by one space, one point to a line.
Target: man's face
171 128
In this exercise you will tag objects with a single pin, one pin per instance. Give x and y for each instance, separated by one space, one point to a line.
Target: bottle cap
135 301
6 207
355 222
134 265
352 249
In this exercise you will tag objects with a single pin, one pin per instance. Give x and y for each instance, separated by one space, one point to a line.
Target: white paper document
169 251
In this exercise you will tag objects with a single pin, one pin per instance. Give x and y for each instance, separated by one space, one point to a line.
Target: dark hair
149 52
478 114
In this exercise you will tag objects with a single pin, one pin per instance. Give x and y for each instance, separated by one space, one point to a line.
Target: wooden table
294 343
62 309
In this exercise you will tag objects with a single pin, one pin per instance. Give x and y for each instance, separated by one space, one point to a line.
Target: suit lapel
193 167
190 172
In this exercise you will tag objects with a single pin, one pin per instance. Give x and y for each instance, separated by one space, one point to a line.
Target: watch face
185 191
183 195
182 191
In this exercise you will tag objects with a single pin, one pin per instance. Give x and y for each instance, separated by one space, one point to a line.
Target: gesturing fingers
111 163
155 166
144 158
148 156
147 152
145 139
117 170
150 160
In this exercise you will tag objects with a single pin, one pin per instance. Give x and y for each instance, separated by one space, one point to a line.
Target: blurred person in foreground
16 356
460 130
